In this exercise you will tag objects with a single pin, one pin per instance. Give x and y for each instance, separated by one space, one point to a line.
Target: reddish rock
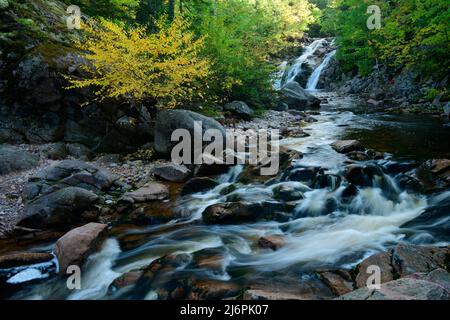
23 259
76 245
272 242
382 260
339 281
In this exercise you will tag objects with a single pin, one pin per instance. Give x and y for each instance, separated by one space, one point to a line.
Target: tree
134 65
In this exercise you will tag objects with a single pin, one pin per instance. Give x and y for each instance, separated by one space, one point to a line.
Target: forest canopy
237 43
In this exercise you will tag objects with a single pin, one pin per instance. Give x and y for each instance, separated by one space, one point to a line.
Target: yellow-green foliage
135 65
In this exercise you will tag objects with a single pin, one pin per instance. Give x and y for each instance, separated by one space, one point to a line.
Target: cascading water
315 76
308 53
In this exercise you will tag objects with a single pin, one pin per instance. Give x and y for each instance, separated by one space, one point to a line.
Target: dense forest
225 50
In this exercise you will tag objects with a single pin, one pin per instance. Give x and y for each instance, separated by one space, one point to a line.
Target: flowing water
309 52
315 76
326 230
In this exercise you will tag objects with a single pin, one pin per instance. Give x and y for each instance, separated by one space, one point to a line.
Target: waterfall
297 66
315 76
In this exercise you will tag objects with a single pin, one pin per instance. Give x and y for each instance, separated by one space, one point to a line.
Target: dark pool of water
412 136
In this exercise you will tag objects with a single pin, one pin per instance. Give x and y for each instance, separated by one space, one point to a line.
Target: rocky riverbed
151 229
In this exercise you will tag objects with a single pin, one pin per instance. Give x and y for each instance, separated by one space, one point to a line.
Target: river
326 230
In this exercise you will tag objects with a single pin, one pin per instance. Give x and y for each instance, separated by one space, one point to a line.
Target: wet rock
408 258
213 290
211 258
126 280
207 170
14 159
198 184
432 220
154 212
79 151
357 176
151 192
339 281
169 120
236 212
172 172
358 156
402 289
381 260
440 166
288 287
274 242
297 98
159 276
58 209
287 192
23 259
350 192
240 109
304 175
76 245
347 146
330 181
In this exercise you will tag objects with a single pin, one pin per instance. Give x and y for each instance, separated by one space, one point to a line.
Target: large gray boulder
297 98
14 159
169 120
402 289
58 209
65 174
240 109
76 245
152 191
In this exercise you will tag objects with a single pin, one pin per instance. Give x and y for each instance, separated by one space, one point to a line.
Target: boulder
288 287
401 289
287 192
67 173
236 212
273 242
408 259
169 120
206 289
127 279
339 281
297 98
23 259
172 172
14 159
57 151
150 192
438 276
240 109
383 261
61 208
198 184
76 245
304 175
79 151
347 146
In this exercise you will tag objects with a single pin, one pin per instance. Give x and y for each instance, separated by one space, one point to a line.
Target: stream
327 229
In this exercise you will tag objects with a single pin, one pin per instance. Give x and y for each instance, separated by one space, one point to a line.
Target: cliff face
35 53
